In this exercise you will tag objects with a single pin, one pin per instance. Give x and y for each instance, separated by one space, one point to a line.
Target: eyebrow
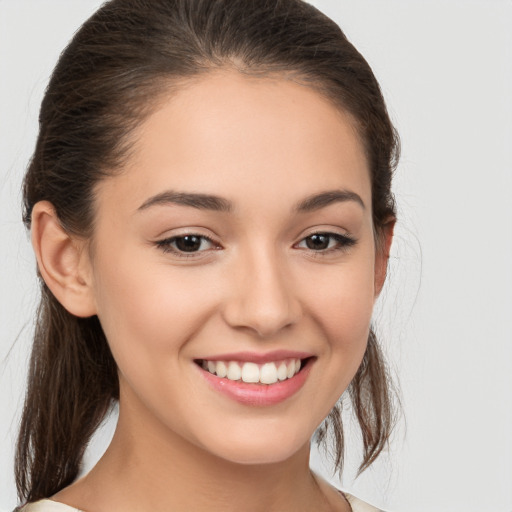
219 204
323 199
199 201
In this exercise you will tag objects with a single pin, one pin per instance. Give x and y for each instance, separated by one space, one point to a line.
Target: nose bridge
263 298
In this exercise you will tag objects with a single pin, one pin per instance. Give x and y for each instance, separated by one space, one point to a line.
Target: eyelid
165 244
327 230
344 242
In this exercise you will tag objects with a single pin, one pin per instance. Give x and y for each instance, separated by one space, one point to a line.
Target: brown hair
106 82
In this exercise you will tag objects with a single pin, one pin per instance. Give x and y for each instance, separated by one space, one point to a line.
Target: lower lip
259 394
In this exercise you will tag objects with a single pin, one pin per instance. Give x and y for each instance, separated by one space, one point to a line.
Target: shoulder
358 505
46 506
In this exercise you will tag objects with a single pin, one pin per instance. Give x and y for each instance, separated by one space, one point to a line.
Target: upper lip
257 357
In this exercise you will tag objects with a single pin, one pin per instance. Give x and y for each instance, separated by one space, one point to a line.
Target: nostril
264 306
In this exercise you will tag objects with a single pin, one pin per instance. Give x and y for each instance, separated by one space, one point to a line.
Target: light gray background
446 319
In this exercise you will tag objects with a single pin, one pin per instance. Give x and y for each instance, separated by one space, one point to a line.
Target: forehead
245 138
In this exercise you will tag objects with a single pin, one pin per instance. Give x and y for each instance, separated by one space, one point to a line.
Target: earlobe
382 254
62 261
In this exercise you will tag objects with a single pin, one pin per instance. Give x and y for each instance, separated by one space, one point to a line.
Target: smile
250 372
257 380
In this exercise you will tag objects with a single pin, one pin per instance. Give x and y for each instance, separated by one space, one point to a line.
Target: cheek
146 311
342 302
149 317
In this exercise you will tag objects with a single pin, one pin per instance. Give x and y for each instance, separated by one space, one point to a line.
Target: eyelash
166 245
344 242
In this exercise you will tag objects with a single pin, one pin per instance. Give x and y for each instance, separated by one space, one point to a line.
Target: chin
263 447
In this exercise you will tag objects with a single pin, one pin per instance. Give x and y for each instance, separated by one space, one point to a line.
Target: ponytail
72 383
370 394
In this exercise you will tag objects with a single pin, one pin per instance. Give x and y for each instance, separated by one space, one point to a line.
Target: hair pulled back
107 81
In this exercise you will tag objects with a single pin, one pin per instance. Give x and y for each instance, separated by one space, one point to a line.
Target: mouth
256 383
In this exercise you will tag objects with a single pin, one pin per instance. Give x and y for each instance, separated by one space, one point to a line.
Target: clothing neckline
49 505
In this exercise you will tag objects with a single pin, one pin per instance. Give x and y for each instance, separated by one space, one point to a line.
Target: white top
53 506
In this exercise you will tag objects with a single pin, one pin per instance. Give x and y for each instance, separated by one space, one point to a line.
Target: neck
149 468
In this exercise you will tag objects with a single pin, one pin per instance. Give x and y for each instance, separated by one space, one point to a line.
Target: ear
382 254
63 261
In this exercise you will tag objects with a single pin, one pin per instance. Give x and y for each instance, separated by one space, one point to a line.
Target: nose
263 298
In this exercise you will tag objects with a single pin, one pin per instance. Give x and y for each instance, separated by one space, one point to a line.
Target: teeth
250 372
220 368
290 370
268 373
282 371
234 371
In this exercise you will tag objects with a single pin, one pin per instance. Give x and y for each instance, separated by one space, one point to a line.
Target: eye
186 245
327 242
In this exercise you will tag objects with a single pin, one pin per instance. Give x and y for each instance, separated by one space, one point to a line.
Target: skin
264 144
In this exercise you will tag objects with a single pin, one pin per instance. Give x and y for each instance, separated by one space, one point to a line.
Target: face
235 247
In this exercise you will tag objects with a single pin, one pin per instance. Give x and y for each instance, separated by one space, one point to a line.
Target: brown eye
327 242
318 242
186 245
189 243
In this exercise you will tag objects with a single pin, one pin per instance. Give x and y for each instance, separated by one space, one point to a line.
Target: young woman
210 207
